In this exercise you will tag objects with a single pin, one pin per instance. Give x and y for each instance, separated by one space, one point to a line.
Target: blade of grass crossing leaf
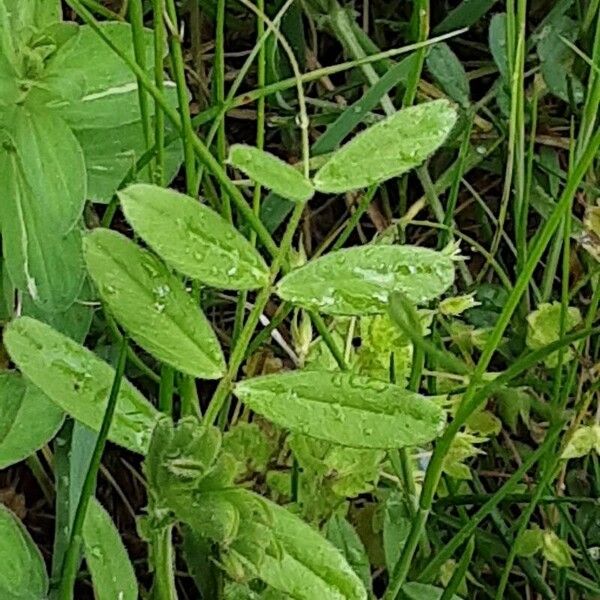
71 560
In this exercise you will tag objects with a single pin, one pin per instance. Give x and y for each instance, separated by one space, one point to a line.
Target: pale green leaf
359 280
79 382
28 419
423 591
152 305
23 574
529 542
544 326
582 442
193 238
271 172
344 408
309 567
556 551
31 14
449 72
88 84
387 149
44 198
113 576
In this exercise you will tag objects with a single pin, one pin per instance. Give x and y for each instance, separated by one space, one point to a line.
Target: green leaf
543 328
23 574
359 280
193 238
271 172
449 72
396 527
44 197
308 567
343 536
152 305
582 442
28 419
111 153
344 408
112 573
556 551
79 382
88 84
467 13
512 404
529 542
497 42
388 149
423 591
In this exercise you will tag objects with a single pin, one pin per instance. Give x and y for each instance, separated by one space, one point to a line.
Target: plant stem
71 560
164 565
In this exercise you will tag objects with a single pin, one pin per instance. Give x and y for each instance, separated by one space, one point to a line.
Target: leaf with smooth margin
79 382
388 148
113 576
193 239
23 573
359 280
43 199
152 305
88 84
28 419
344 408
271 172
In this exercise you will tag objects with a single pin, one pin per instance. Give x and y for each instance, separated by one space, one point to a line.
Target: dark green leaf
112 573
358 281
465 14
79 382
193 238
387 149
423 591
271 172
497 41
28 419
152 305
449 72
344 408
22 571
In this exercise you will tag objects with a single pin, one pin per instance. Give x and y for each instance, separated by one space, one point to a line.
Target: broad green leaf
359 280
111 153
106 557
271 172
152 305
309 567
388 149
79 382
44 195
582 442
30 14
423 591
23 573
465 14
88 84
28 419
544 326
343 536
449 72
193 238
396 527
556 551
529 542
343 408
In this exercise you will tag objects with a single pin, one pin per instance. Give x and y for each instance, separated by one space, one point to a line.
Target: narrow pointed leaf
344 408
28 419
388 149
358 281
271 172
79 382
193 238
152 305
23 574
112 573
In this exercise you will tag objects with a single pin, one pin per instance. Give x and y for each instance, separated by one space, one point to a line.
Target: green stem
159 78
71 561
164 565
